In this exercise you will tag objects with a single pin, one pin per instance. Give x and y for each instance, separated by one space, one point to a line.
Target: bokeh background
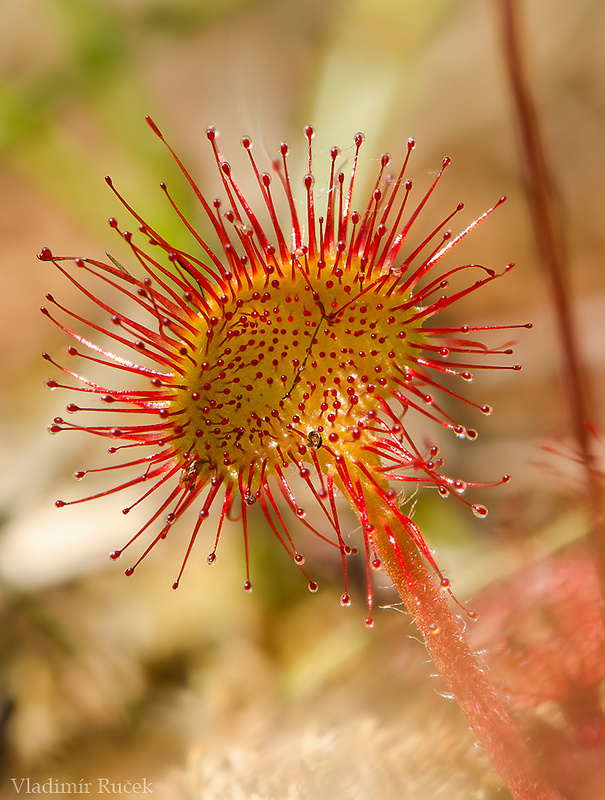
206 692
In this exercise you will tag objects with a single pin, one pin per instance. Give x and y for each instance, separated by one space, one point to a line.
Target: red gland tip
46 254
479 511
153 127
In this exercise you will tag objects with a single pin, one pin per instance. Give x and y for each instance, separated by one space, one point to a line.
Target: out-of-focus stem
552 253
444 638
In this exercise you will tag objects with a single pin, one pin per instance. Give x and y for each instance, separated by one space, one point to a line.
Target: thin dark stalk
553 256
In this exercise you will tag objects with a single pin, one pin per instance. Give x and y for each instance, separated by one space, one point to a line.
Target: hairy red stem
444 638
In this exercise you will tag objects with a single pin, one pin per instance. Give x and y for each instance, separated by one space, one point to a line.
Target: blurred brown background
207 692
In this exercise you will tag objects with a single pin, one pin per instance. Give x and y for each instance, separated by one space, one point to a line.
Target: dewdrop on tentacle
274 370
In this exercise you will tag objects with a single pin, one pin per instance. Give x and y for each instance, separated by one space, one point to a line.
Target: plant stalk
552 255
444 637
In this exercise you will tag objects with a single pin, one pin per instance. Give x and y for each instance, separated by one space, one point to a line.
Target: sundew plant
277 365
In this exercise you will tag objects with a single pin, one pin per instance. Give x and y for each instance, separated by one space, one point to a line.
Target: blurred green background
205 691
